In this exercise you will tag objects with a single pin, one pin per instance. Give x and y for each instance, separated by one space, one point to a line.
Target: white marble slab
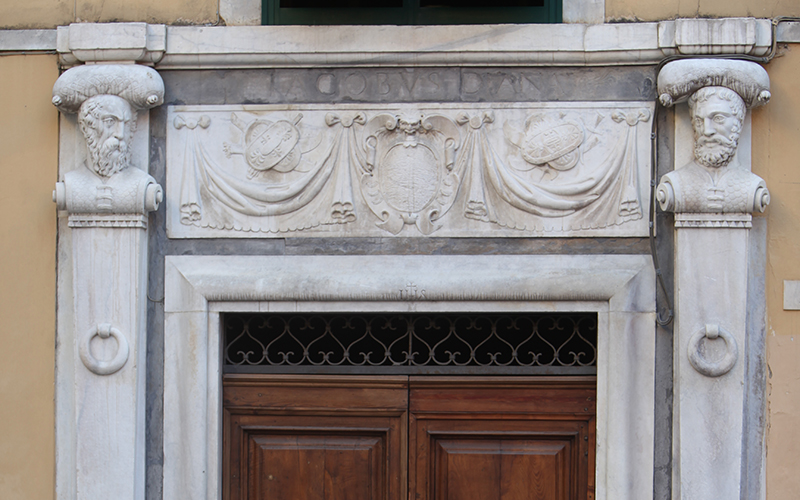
791 295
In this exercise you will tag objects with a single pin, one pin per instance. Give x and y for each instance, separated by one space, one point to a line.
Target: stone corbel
735 35
713 197
108 43
106 199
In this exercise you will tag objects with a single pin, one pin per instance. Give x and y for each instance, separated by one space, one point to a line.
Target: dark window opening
529 343
410 12
342 4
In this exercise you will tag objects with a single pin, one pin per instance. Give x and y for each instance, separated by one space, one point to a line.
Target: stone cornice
480 45
198 47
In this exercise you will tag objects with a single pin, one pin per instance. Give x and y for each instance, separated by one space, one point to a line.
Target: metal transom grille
411 343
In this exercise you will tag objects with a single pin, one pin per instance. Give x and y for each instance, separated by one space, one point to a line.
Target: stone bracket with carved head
718 92
106 99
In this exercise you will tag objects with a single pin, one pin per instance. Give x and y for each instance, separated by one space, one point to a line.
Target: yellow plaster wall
28 165
776 158
51 13
653 10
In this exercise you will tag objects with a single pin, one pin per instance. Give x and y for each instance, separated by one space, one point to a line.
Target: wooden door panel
503 395
508 469
501 439
316 467
302 437
315 438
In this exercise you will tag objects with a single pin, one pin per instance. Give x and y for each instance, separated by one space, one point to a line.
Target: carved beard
716 151
112 156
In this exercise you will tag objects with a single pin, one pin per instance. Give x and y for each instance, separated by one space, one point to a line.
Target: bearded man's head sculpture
108 123
717 116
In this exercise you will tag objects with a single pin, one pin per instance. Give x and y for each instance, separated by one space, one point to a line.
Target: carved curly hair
702 95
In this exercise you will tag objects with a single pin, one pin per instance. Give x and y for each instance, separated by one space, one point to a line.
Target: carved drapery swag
530 171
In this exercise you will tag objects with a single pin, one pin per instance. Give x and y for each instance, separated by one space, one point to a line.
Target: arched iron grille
527 343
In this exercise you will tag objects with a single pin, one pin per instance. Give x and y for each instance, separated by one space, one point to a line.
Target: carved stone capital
141 86
679 80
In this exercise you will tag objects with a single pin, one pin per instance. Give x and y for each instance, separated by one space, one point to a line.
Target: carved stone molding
508 170
198 289
712 220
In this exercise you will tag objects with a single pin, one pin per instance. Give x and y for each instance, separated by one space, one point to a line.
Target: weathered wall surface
28 164
52 13
655 10
776 148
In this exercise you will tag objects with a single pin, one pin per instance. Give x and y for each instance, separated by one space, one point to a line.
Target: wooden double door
290 437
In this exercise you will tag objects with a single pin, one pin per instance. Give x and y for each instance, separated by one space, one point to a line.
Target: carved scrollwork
697 356
105 367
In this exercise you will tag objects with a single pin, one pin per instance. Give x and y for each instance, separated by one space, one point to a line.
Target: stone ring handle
104 330
713 368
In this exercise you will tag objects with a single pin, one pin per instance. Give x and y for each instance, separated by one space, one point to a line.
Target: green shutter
411 13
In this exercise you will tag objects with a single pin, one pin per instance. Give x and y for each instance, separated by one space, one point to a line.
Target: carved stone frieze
412 170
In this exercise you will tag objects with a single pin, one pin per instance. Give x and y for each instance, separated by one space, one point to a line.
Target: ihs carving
106 99
714 181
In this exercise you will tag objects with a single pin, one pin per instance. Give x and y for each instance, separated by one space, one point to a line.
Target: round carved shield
552 142
271 145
